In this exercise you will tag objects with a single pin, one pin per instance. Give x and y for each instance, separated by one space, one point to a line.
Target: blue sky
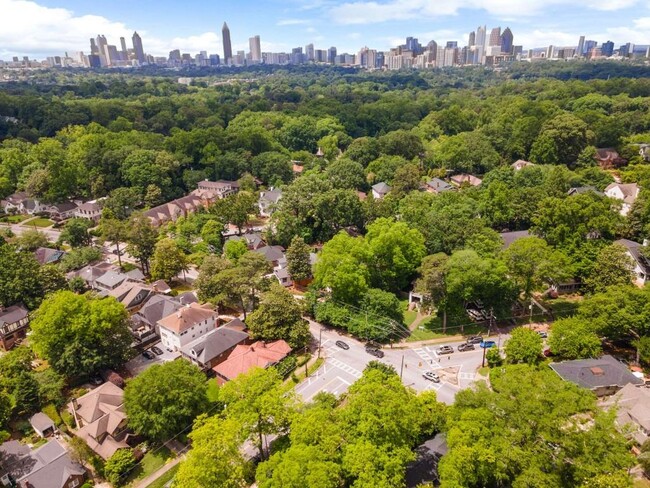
45 27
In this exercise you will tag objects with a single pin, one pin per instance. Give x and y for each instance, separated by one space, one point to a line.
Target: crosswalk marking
348 369
466 376
429 360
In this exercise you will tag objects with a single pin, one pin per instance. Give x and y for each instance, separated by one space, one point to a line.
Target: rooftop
187 317
596 373
243 358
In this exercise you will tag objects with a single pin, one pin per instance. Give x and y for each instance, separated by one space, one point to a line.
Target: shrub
68 418
286 366
119 465
50 411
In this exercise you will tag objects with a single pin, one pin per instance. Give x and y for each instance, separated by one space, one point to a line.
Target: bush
50 411
286 366
119 465
4 436
494 358
68 418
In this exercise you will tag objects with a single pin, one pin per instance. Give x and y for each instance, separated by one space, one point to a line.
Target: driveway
139 363
343 367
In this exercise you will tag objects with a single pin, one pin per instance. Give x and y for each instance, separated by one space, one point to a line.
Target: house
581 190
14 321
633 411
47 255
214 347
604 376
641 263
90 210
509 237
380 190
297 167
437 186
521 164
61 211
14 202
49 466
161 287
144 323
268 201
245 357
252 240
186 324
273 254
32 206
221 188
135 275
283 277
608 158
42 424
130 294
91 273
628 193
101 420
110 280
465 180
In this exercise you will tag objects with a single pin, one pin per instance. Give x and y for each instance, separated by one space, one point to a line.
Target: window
74 483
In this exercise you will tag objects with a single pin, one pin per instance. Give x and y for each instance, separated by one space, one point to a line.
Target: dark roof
64 207
13 314
634 248
579 190
252 239
47 255
596 373
439 185
214 343
381 188
157 308
510 237
271 253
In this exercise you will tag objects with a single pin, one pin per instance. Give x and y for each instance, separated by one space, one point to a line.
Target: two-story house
268 201
185 325
14 321
627 193
221 188
89 210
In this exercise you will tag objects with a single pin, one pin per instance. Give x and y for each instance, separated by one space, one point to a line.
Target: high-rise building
125 53
256 49
495 37
506 41
607 48
472 39
588 46
331 55
309 52
581 46
227 46
93 47
138 50
480 36
101 49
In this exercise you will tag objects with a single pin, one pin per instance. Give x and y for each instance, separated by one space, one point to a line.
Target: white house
185 325
641 264
380 190
625 192
89 210
268 200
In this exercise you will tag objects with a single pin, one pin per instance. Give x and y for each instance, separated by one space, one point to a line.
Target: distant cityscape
484 47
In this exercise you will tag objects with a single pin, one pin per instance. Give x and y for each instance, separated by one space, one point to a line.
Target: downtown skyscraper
227 46
137 48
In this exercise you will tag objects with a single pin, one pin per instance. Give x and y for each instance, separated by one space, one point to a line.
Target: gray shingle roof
510 237
596 373
634 248
214 343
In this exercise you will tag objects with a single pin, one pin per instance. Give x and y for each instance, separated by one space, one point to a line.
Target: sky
50 27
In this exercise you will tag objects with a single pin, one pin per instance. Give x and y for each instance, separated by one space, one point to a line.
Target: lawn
15 219
165 478
150 463
409 315
213 390
432 328
40 222
180 286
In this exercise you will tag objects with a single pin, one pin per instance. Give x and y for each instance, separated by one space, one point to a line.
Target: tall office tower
506 41
451 44
255 48
472 39
227 46
296 55
125 52
607 48
581 46
495 37
101 50
93 47
138 49
480 36
589 45
331 55
433 48
549 51
309 52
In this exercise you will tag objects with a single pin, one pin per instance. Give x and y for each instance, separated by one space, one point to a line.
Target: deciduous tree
168 260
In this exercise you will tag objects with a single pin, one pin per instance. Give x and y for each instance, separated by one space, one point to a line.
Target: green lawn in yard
39 222
165 478
213 390
14 219
150 463
409 315
432 328
180 286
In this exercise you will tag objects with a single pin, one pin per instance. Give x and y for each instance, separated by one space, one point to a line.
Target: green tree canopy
574 338
524 346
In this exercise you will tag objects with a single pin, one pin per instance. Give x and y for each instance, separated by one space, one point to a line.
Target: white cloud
292 22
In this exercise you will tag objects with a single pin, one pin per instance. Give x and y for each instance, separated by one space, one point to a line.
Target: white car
431 376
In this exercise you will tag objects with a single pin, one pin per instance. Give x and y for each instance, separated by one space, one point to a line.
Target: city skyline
51 27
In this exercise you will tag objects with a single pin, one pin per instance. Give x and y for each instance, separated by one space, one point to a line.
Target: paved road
52 234
343 367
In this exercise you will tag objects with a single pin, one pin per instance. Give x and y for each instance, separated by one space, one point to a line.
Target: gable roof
111 279
580 190
12 314
252 239
243 358
214 343
510 237
634 248
272 196
156 308
64 207
186 317
633 404
40 421
629 190
465 178
438 185
595 373
47 255
520 164
381 188
271 253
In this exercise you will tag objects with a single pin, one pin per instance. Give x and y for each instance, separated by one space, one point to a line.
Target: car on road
157 350
431 376
445 350
342 345
474 339
542 334
374 351
148 354
487 344
466 347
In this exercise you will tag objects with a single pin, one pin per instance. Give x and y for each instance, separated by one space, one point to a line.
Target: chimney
75 404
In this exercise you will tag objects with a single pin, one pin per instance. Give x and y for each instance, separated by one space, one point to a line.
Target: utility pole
483 363
530 318
306 370
401 369
320 336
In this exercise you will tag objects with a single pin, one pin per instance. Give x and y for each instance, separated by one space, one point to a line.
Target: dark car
466 347
342 345
373 351
431 376
487 344
474 339
148 354
157 350
445 350
542 334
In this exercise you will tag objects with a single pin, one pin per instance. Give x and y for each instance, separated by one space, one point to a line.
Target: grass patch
484 371
432 328
150 463
180 286
40 222
165 478
299 374
15 219
213 390
409 315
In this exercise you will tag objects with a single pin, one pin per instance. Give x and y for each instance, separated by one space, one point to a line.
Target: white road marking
428 359
348 369
466 376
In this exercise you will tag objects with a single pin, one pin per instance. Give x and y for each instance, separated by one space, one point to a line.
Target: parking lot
139 363
343 367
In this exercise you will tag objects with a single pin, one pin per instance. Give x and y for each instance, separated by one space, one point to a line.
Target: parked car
431 376
445 350
542 334
373 351
474 339
488 344
342 345
466 347
157 350
148 354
